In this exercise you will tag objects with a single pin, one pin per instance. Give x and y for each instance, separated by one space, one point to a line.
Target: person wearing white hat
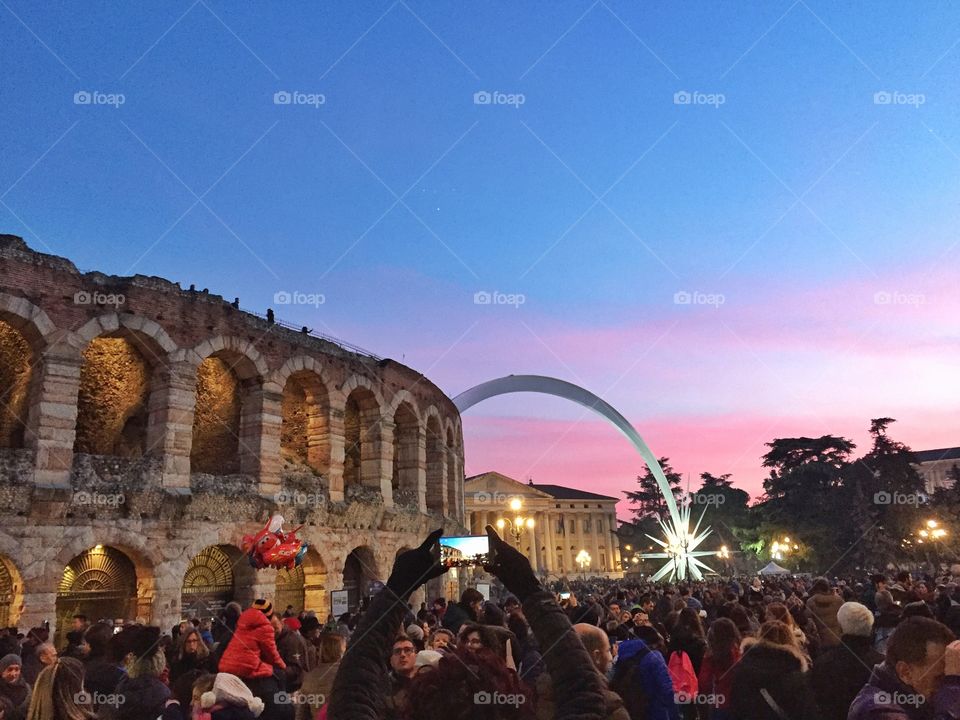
231 699
427 660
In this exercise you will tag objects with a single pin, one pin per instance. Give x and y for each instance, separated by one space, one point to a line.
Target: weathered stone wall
15 360
112 455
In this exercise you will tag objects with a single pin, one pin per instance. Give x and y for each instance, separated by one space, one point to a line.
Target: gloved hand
413 568
511 567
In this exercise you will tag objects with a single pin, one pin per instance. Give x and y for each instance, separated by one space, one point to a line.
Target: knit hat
264 606
292 623
855 619
8 660
428 657
230 690
414 632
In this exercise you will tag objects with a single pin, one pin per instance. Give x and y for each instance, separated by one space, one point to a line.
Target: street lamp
583 560
518 523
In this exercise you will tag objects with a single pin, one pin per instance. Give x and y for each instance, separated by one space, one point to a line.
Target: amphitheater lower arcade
144 429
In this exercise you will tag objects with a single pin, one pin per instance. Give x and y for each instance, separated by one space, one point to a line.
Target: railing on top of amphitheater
303 329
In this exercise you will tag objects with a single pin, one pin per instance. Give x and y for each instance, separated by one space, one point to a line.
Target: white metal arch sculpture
679 543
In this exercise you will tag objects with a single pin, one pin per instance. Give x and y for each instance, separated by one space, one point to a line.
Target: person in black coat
465 611
770 681
840 672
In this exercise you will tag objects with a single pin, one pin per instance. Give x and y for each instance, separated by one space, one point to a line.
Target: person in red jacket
251 654
716 676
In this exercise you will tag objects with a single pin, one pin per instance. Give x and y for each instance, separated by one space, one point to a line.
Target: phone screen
465 551
564 596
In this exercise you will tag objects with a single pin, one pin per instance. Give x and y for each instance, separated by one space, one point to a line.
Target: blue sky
786 187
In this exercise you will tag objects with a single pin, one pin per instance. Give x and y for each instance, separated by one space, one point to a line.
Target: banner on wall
339 602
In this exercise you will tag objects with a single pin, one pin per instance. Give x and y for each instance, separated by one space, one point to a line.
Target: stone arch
25 334
101 582
362 416
359 569
436 462
407 444
452 482
124 361
227 422
305 432
218 574
304 587
11 592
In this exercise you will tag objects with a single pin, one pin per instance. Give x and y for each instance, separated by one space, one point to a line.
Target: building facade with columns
567 523
936 466
145 429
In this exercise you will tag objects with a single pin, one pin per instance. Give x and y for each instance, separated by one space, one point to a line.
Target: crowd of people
722 649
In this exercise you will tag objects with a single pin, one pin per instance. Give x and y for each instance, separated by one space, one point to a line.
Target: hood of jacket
251 619
773 658
629 649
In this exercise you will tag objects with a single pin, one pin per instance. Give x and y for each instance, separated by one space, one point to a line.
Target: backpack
682 674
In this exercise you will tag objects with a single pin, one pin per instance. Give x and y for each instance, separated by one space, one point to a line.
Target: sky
732 221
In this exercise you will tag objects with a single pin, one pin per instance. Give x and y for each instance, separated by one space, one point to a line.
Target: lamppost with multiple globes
516 525
583 560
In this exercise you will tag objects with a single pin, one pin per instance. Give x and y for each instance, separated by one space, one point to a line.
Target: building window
586 525
599 525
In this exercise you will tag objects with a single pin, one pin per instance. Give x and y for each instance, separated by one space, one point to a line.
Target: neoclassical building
935 467
144 429
566 521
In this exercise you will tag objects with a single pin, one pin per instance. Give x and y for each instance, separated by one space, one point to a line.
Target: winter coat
18 693
824 607
772 671
613 708
694 647
293 649
252 652
714 679
183 665
878 699
840 672
359 688
456 615
647 689
144 697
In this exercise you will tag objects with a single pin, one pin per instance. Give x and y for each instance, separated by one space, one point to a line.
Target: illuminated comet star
680 546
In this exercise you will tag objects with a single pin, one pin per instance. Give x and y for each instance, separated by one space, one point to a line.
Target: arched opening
435 465
359 570
11 593
406 455
112 406
453 486
361 420
305 429
304 587
100 583
208 583
16 362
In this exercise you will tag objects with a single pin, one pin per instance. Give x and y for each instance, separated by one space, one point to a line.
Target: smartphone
465 551
564 596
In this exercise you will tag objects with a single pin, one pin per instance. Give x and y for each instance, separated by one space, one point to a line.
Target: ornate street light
518 523
583 560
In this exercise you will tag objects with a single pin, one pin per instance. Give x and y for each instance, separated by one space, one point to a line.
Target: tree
648 500
725 510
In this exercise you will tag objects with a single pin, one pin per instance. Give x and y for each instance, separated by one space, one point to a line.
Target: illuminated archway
680 543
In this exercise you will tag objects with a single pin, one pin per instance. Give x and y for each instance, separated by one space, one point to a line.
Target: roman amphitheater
144 429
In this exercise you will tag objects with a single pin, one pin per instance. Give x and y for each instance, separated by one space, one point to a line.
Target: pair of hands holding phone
415 567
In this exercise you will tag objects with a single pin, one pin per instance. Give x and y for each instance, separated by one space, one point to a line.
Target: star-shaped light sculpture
680 545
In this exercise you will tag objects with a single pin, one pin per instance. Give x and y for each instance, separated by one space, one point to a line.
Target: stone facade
121 444
566 521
